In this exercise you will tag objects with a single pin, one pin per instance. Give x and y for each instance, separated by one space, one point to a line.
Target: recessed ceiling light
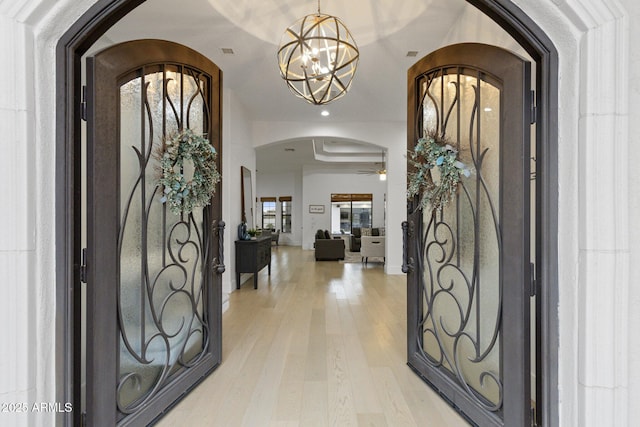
488 109
290 149
227 51
325 113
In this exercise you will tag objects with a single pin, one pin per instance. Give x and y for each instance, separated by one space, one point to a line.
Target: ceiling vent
412 53
227 51
290 149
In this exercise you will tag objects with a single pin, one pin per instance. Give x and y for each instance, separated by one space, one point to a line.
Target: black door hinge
83 267
532 282
534 108
83 104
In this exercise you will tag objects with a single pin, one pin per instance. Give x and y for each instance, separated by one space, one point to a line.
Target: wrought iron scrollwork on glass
165 259
461 288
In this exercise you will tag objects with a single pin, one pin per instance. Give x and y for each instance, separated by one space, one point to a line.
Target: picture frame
316 209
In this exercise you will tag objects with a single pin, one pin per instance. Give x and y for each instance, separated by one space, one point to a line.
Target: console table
252 256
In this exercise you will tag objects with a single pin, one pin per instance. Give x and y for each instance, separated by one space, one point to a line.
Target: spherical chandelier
318 58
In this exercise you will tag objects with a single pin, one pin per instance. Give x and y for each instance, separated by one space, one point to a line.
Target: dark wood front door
153 327
469 279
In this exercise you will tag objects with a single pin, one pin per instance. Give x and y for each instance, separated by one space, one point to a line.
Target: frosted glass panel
161 288
462 283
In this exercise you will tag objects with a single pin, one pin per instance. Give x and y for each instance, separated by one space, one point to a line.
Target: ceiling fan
382 172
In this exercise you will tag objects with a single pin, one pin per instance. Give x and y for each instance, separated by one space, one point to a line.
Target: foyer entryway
93 24
318 343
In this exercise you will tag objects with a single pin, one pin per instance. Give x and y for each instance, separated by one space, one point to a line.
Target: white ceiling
385 31
319 153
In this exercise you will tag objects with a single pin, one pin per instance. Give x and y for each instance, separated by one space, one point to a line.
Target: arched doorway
105 13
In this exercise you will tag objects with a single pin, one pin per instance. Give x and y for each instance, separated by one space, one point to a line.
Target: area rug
353 257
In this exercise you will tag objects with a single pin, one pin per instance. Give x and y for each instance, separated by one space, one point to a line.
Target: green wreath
180 194
431 152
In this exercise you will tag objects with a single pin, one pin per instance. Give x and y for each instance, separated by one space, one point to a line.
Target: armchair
372 246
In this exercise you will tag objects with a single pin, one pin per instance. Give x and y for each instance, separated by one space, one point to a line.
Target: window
350 211
268 212
285 209
361 214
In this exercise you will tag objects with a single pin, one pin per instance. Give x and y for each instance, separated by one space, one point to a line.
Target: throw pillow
366 232
327 235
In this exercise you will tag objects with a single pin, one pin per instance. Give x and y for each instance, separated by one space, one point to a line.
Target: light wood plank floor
318 344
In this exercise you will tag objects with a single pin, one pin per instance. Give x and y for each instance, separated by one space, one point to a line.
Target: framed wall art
318 209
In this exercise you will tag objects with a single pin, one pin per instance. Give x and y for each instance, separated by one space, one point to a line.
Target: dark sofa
327 248
355 239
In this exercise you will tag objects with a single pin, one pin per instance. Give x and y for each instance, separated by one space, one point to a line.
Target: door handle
218 265
407 263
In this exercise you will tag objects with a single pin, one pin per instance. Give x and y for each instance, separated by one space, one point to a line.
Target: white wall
598 211
283 184
237 151
21 308
319 183
314 185
633 178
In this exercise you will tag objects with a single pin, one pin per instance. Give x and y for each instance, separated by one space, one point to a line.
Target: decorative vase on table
242 232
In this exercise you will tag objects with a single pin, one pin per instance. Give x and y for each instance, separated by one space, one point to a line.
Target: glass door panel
154 295
462 280
468 263
161 288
